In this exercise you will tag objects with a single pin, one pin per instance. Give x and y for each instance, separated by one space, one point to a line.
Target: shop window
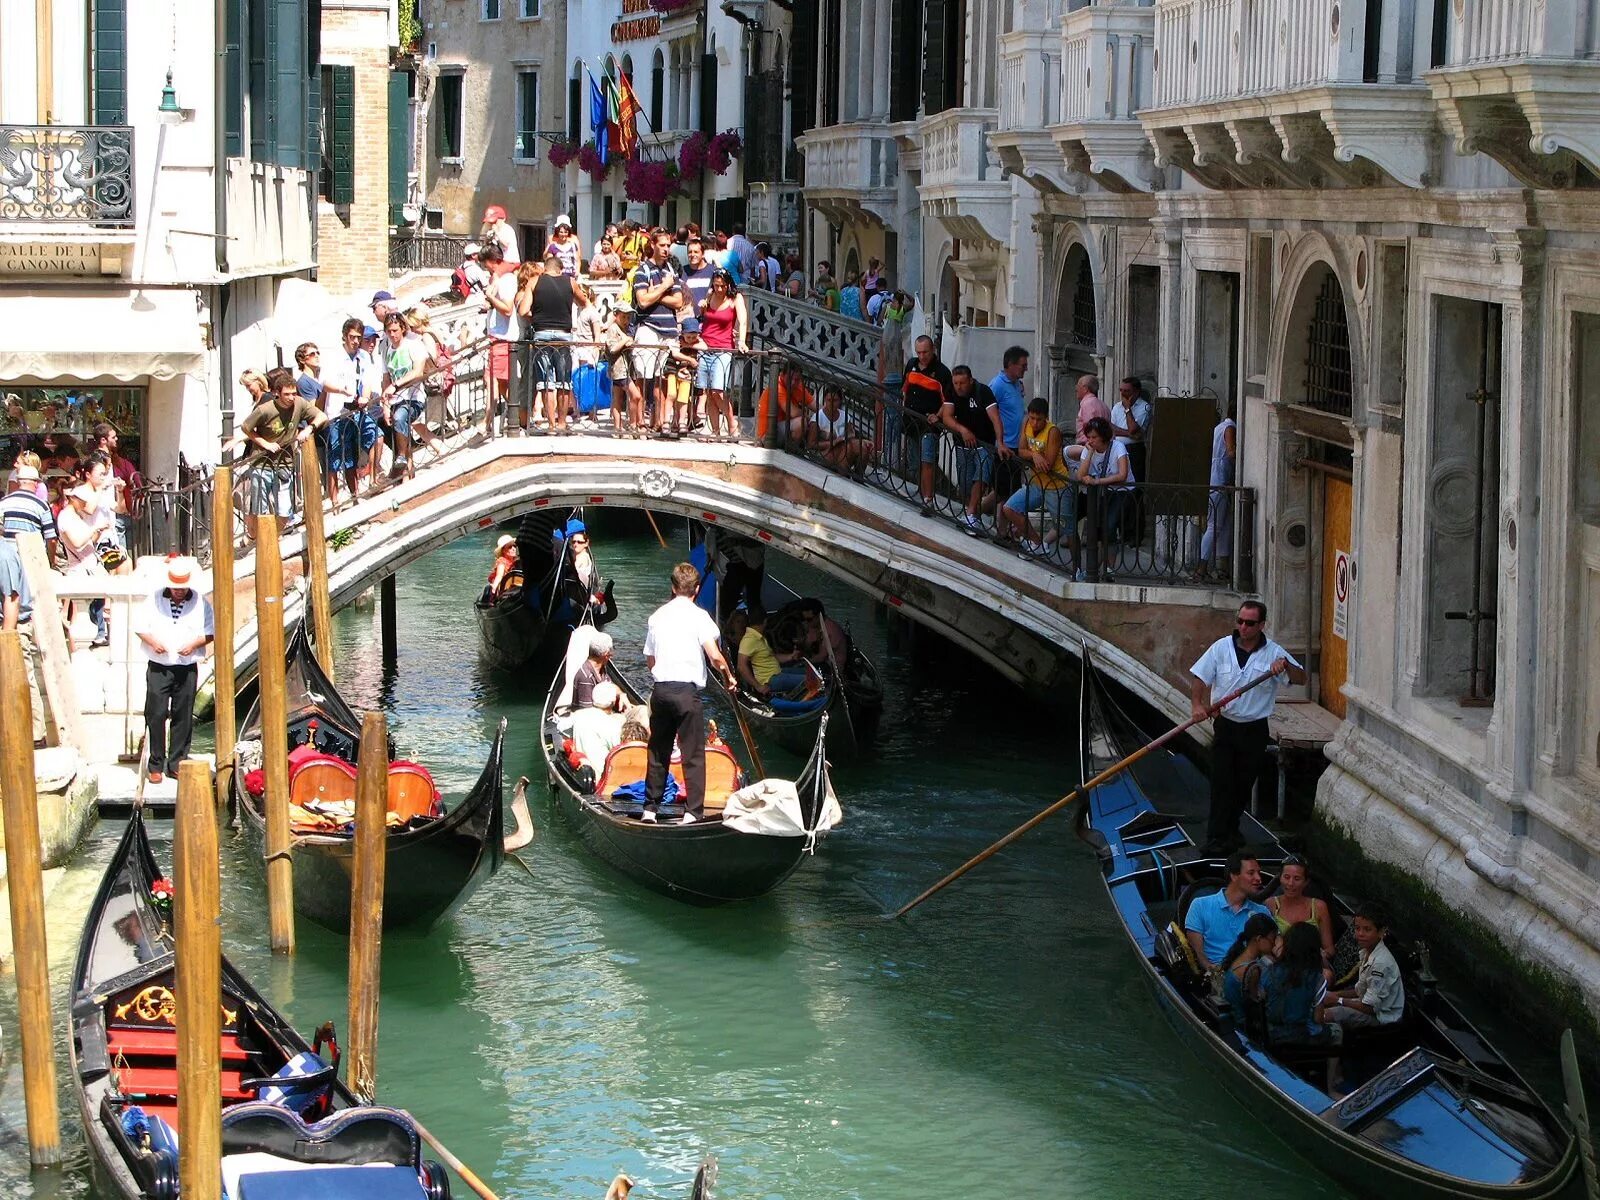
56 422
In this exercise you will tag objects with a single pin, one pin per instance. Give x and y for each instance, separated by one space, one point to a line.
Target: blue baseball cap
367 331
379 297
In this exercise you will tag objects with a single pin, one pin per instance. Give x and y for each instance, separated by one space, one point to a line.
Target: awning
126 335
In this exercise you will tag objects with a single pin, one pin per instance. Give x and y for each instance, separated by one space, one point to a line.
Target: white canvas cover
772 807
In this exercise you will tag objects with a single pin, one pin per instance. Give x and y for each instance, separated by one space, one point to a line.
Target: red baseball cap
494 213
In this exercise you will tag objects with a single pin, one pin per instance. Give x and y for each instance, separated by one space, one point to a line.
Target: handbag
111 556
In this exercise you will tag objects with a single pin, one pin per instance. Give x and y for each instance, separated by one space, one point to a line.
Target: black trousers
169 700
675 714
738 582
1238 748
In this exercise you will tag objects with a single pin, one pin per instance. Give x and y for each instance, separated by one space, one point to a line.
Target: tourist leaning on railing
273 429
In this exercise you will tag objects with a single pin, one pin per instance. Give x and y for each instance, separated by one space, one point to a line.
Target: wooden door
1338 583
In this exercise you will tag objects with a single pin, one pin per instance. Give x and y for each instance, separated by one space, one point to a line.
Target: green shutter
289 83
342 135
935 32
399 142
110 70
311 90
262 24
233 82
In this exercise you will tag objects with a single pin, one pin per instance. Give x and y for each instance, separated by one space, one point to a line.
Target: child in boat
1293 989
1379 996
1247 958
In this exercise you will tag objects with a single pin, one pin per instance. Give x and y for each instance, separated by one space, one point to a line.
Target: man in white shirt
503 327
679 638
597 728
1130 422
1239 732
174 628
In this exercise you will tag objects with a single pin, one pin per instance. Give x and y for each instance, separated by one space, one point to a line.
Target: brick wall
353 240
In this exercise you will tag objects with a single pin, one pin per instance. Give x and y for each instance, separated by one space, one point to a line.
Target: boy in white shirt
1379 996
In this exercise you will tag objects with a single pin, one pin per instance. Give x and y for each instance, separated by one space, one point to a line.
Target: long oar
744 732
1084 789
656 527
454 1163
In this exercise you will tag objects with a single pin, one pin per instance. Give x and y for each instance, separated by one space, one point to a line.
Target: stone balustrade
851 157
954 146
1491 31
779 322
1214 50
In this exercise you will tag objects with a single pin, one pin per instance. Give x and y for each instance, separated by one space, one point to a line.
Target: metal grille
69 174
1084 332
1328 352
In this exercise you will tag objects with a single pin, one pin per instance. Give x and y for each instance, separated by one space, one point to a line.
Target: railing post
274 734
222 599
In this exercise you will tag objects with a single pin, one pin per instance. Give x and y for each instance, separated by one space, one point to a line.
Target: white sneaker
1031 550
688 818
971 526
648 815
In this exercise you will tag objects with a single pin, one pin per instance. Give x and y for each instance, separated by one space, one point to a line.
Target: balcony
852 172
1107 56
58 179
1030 102
962 187
1521 84
1292 93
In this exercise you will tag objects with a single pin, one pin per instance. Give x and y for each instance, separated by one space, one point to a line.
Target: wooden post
316 557
197 990
25 883
366 903
55 655
223 683
388 619
274 733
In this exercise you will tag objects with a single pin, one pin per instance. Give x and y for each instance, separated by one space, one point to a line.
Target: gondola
530 620
707 863
855 708
436 858
289 1126
1427 1108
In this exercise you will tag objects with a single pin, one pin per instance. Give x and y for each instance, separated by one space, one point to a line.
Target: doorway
1338 599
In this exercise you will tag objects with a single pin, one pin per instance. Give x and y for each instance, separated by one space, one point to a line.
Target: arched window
658 89
575 103
1084 330
1328 383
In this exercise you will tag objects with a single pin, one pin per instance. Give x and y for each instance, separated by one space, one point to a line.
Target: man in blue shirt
1011 409
1214 921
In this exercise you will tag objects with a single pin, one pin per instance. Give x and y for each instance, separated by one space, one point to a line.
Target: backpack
460 285
443 380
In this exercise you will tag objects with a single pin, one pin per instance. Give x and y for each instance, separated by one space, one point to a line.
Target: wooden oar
744 732
657 528
454 1163
1083 790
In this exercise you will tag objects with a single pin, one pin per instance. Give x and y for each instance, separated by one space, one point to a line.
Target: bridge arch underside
1028 623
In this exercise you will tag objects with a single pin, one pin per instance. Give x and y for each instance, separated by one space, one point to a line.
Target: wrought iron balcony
1520 83
67 175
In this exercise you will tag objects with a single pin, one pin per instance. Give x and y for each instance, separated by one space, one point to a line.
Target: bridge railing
1146 533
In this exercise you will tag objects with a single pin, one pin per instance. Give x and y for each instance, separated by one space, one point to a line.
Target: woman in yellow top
759 668
1044 486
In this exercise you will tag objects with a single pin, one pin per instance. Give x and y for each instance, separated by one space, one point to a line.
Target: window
491 10
41 416
530 9
527 148
337 179
273 87
447 118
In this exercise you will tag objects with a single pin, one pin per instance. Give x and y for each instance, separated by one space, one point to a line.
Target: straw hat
503 541
180 571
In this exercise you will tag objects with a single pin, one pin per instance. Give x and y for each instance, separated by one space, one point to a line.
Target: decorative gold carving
156 1004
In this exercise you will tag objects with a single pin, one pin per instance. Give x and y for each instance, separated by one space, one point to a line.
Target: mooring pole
197 907
223 684
366 903
25 883
316 557
274 734
388 619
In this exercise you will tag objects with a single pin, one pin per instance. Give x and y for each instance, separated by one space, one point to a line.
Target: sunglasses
1246 621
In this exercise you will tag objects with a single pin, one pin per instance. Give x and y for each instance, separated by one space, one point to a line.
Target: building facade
1365 232
156 205
492 96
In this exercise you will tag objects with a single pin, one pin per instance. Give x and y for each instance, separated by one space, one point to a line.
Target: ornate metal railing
425 252
67 174
1148 534
811 330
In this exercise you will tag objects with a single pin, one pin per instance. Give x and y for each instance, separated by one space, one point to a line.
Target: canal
567 1024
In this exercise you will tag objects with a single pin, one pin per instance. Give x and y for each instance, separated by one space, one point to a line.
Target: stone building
493 93
1367 232
157 213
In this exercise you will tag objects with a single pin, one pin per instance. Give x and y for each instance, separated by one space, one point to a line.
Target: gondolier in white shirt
679 639
1239 731
174 628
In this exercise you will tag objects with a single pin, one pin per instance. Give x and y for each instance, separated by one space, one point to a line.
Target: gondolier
680 638
1239 732
174 629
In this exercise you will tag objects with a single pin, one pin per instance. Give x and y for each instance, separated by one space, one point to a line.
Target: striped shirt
23 512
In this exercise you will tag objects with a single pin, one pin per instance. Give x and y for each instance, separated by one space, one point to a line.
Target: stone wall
353 239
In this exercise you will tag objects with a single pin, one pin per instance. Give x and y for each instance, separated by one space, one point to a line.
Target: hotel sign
59 258
638 22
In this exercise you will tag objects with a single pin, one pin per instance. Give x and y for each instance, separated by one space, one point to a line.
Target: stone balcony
963 187
1030 102
1521 84
1107 55
1293 93
852 172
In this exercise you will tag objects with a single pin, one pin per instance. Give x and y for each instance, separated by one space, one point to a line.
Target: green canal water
567 1024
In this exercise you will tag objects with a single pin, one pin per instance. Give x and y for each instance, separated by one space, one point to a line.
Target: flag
598 117
628 118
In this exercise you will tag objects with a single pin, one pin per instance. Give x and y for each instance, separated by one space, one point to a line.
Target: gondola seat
629 762
263 1177
325 779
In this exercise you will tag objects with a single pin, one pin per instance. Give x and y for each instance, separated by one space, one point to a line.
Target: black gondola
705 863
289 1127
854 711
1431 1110
436 859
531 619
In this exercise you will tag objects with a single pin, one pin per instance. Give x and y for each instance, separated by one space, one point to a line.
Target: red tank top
716 326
